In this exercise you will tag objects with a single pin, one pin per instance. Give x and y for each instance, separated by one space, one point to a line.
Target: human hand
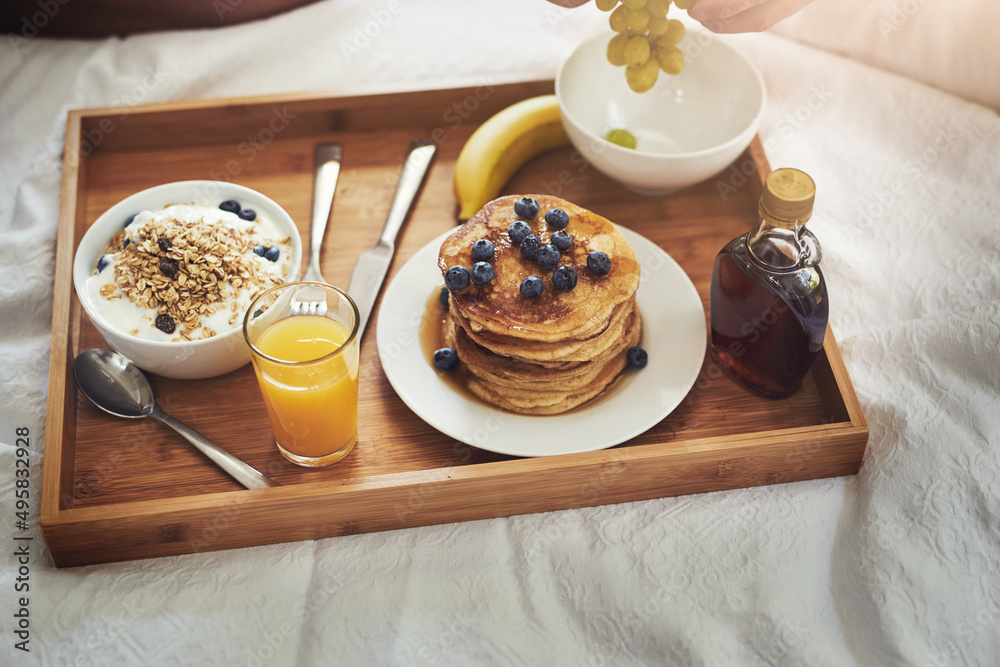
728 16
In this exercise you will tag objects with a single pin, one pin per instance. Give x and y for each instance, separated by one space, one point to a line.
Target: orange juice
312 402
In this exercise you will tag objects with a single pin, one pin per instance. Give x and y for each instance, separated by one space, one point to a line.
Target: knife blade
372 266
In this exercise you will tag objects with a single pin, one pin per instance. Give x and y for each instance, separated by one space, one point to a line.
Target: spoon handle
239 470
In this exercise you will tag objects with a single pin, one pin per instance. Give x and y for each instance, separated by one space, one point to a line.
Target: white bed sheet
899 565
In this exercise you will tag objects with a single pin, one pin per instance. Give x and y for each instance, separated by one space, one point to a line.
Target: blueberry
526 207
531 287
457 277
102 262
637 356
168 266
443 297
482 250
530 246
126 243
248 214
548 257
481 273
259 250
598 263
445 359
164 244
272 253
165 323
557 218
561 240
564 278
518 231
128 220
230 205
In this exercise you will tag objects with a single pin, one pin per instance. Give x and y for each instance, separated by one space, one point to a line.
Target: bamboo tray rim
412 478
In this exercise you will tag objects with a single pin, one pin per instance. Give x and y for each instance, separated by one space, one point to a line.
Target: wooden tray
116 489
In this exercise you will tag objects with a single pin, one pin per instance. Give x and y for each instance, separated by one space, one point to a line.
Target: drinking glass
304 343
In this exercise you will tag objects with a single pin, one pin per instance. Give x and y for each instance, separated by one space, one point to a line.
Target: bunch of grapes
646 40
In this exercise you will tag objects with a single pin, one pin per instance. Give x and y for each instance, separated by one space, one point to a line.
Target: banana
500 146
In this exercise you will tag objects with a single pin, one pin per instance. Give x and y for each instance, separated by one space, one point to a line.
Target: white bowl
688 127
209 357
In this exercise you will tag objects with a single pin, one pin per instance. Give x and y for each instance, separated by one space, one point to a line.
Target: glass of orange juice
304 343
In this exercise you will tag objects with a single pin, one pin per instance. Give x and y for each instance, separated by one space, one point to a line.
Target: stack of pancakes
552 353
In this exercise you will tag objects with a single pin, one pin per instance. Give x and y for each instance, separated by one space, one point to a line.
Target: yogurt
187 272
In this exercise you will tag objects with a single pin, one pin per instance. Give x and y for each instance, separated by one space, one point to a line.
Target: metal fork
309 300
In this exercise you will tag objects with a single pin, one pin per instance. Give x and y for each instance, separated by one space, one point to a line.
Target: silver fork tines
311 300
308 300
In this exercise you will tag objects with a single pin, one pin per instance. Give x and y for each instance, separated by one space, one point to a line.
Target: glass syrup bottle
769 306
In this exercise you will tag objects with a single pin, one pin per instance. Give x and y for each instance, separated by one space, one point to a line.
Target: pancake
521 376
557 353
554 316
549 403
552 353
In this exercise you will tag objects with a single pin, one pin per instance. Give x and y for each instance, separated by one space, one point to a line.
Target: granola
191 271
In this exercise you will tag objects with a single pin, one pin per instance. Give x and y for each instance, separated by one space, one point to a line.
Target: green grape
675 31
621 137
637 19
657 7
641 78
670 60
617 19
636 51
658 25
646 39
616 49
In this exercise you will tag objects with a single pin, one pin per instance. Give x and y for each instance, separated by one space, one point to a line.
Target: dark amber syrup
767 328
432 340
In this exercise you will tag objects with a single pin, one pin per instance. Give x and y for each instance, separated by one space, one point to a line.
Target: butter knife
371 267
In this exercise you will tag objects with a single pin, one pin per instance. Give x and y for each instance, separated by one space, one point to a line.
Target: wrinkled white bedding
899 565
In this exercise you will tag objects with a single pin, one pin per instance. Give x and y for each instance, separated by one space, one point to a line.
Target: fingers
732 16
715 10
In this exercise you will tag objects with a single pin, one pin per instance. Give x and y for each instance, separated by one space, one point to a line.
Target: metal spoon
117 386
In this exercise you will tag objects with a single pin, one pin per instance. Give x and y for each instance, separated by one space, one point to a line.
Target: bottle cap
788 197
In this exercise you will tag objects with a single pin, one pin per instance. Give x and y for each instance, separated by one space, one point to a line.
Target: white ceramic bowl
688 127
220 354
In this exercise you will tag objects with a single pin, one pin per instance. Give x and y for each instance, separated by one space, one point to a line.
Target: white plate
673 334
